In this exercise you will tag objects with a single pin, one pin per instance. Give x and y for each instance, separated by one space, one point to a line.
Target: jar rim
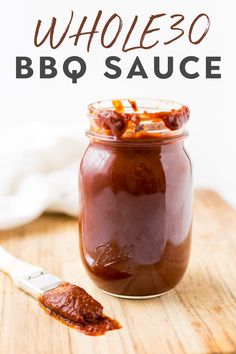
145 103
110 140
135 118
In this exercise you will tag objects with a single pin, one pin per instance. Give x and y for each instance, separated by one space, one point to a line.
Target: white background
213 121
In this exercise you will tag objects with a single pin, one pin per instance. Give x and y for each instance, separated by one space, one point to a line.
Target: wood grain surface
199 316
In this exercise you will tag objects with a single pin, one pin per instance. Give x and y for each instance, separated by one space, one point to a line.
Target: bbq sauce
74 307
116 122
136 200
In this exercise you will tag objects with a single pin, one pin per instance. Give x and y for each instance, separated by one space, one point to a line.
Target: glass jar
136 197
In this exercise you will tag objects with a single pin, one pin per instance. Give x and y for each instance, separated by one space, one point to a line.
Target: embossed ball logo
108 254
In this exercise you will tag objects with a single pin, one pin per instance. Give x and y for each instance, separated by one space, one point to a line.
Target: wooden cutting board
199 316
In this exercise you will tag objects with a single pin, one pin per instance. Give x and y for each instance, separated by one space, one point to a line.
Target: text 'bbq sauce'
136 197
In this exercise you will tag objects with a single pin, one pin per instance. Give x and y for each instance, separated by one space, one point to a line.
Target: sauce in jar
136 197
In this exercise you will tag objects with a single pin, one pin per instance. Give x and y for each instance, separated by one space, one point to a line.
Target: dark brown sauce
135 219
74 307
133 105
116 122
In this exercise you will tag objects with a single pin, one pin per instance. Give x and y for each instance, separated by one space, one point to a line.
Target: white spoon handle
15 267
29 278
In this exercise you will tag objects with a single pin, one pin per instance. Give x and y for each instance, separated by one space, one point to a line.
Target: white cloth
39 171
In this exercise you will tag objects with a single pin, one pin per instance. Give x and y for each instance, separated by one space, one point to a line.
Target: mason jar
136 197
